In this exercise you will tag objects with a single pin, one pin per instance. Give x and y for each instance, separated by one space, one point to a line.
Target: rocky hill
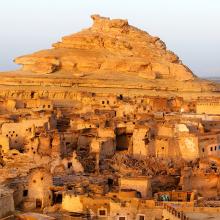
109 46
111 57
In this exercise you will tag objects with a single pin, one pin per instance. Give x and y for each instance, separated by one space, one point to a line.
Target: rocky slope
109 46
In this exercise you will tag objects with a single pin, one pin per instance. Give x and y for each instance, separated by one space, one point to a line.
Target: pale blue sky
190 28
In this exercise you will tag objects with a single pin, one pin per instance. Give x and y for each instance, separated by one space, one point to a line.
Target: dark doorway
138 195
69 165
38 203
59 198
25 193
188 197
32 94
123 142
110 183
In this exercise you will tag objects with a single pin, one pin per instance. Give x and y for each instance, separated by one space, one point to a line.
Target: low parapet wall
177 204
201 209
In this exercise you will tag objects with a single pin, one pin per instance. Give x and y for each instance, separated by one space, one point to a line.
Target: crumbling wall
142 185
140 142
17 132
39 183
208 107
209 145
188 145
72 203
6 205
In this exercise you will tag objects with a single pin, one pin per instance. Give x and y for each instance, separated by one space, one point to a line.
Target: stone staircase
171 212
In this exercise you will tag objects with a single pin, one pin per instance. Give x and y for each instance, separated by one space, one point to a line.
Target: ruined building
108 124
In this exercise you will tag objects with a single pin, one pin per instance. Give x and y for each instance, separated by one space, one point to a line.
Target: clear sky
190 28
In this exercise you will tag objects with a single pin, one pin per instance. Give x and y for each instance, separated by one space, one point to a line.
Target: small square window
141 217
102 212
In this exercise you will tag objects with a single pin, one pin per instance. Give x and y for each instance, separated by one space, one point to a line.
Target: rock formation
109 46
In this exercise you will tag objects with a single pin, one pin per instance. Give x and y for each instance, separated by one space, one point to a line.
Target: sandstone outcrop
109 46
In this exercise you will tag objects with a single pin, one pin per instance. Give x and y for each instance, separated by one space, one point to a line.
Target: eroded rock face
109 46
